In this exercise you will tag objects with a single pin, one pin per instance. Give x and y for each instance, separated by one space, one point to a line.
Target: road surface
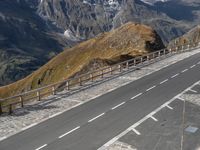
92 124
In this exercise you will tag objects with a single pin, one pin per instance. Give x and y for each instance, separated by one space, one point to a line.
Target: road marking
180 98
192 66
184 70
96 117
198 63
69 132
192 90
110 142
151 88
41 147
137 95
164 81
3 138
118 105
136 131
169 107
152 117
175 75
25 128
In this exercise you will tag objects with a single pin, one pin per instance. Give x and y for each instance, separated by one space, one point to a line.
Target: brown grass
129 39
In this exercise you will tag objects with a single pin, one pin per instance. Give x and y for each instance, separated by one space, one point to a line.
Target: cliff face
108 48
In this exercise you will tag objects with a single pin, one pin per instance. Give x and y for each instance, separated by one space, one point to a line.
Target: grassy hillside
127 41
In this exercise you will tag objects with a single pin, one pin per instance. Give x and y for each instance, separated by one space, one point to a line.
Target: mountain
97 16
190 37
34 31
26 40
123 43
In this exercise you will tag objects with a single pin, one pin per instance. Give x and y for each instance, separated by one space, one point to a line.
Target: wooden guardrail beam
90 76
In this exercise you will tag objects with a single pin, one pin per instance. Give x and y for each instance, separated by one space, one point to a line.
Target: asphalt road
92 124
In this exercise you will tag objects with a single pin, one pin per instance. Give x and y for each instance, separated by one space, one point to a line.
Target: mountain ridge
125 42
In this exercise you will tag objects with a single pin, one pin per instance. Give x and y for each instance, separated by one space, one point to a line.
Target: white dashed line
110 142
96 117
41 147
169 107
69 132
192 66
184 70
154 118
175 75
136 131
198 63
151 88
164 81
118 105
137 95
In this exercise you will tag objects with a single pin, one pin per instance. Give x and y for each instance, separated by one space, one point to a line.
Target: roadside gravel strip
35 113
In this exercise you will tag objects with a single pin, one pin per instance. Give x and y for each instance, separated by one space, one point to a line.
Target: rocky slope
26 40
190 37
117 45
170 18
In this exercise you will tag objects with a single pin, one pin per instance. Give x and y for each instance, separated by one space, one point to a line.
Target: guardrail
18 101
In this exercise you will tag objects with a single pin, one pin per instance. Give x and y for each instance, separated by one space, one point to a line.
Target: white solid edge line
3 138
192 66
69 132
151 88
152 117
96 117
136 131
164 81
184 70
41 147
137 95
118 105
175 75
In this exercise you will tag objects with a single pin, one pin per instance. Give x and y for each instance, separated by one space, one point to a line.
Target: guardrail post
91 77
134 62
141 60
53 90
177 49
1 109
159 54
10 109
188 46
120 68
21 100
80 81
111 72
148 58
102 74
153 55
38 95
127 65
67 85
